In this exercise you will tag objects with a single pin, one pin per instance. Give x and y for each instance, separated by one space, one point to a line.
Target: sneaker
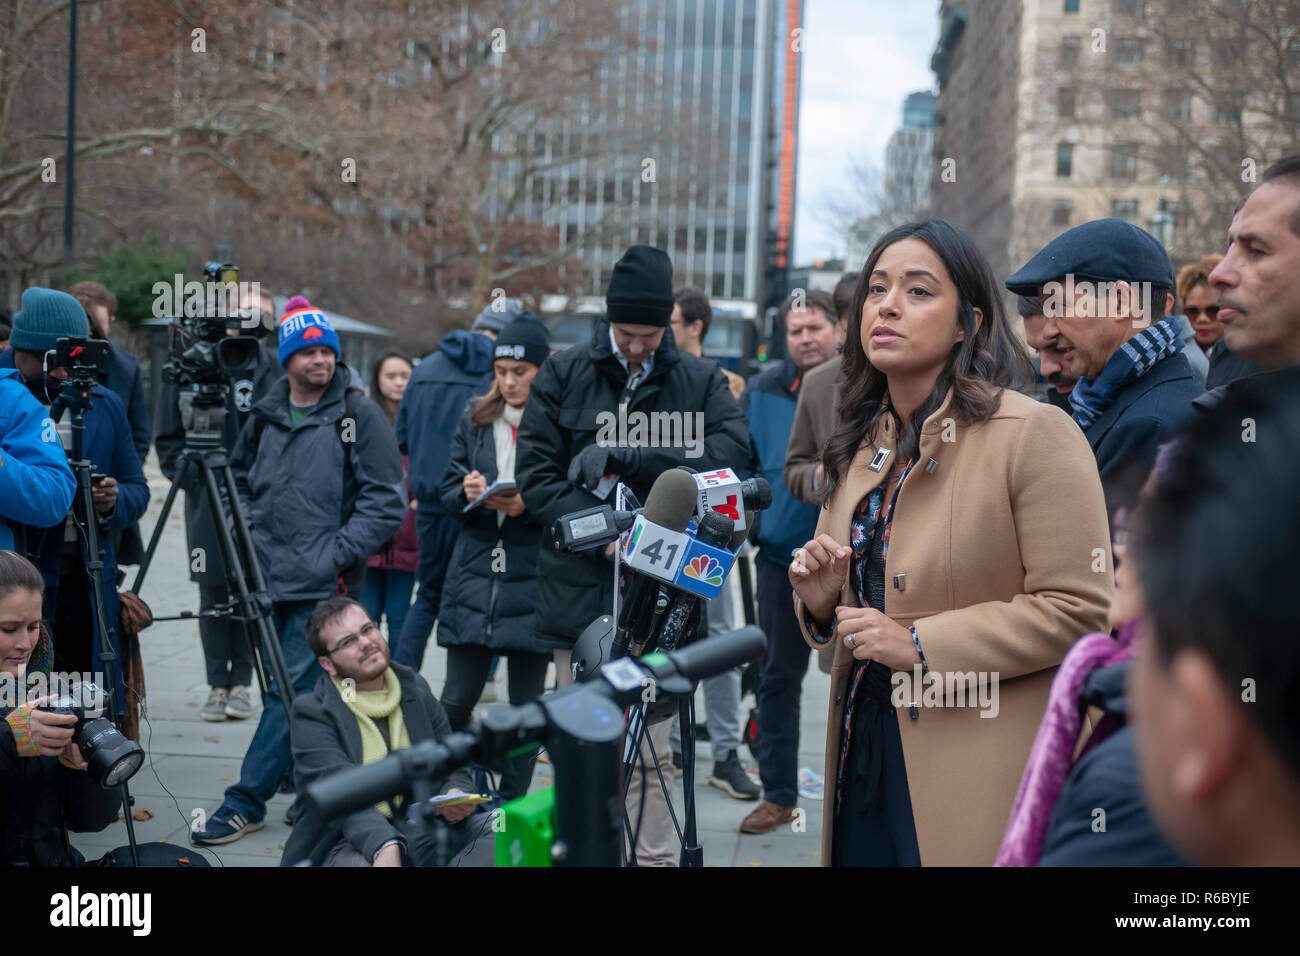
811 785
291 814
239 705
730 777
679 766
215 708
221 830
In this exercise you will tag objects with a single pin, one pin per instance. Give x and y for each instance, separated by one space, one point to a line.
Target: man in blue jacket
119 496
435 398
36 484
812 334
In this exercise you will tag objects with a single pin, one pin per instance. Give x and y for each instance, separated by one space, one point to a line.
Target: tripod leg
254 605
181 475
692 852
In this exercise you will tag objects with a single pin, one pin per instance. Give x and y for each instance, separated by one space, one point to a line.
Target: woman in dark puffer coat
491 588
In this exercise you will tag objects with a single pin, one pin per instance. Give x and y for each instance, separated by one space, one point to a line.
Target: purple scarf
1051 758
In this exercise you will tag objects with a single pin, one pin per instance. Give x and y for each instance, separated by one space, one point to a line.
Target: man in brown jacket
814 416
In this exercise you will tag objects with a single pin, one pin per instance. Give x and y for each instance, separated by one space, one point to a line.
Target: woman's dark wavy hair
987 359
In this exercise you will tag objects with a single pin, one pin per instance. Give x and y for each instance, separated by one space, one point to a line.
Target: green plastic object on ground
528 831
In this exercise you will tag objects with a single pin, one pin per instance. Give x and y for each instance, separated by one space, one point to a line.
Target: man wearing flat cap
566 462
1105 288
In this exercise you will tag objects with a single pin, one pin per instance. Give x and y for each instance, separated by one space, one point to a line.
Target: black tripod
203 415
75 397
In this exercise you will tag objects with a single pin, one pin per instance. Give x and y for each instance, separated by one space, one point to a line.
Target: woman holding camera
961 549
488 599
44 791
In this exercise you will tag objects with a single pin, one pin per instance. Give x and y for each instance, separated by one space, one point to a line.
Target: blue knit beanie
46 316
304 328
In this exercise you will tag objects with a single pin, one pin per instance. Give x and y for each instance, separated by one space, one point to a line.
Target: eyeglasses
1210 311
371 629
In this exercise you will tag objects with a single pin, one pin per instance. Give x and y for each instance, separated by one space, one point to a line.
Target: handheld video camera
111 757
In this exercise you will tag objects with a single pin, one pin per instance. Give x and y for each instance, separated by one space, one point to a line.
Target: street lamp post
1161 223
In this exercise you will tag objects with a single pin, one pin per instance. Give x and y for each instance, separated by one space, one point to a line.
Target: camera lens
111 757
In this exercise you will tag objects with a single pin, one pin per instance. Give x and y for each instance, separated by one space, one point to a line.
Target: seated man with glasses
363 707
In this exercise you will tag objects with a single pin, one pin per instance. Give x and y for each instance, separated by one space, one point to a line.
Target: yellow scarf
366 706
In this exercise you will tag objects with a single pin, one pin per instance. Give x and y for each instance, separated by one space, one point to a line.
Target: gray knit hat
499 314
46 316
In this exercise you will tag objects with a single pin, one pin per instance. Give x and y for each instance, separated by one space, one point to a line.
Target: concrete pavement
191 761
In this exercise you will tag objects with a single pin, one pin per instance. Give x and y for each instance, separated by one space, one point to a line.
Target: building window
1179 212
1123 162
1293 53
1180 54
1132 8
1173 161
1065 102
1061 212
1183 8
1126 209
1069 52
1178 105
1064 160
1125 104
1071 6
1228 108
1128 51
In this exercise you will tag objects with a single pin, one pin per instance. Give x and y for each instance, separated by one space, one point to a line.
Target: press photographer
44 789
227 654
119 492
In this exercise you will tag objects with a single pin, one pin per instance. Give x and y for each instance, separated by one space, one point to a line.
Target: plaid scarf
1135 358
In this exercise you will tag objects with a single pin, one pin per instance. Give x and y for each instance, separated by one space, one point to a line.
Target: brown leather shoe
766 818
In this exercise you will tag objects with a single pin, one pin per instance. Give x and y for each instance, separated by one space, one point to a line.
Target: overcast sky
861 58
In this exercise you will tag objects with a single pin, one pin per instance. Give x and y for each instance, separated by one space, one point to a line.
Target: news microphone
723 491
668 508
681 614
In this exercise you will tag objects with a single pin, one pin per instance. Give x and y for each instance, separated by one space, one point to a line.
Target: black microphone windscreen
715 528
764 495
672 500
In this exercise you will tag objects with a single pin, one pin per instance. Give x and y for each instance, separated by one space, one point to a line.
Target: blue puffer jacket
110 450
314 519
437 393
769 402
36 484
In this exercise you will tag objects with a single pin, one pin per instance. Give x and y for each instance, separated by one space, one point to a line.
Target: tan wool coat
999 555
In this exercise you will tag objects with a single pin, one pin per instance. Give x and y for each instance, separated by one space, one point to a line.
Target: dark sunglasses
1210 310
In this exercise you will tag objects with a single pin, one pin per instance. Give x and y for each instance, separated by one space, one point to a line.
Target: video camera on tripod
212 339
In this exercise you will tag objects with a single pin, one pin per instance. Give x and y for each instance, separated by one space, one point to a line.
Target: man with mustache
1051 362
1106 288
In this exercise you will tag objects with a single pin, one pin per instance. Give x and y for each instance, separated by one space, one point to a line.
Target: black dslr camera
112 758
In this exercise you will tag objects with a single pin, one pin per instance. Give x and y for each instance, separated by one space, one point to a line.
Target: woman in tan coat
962 547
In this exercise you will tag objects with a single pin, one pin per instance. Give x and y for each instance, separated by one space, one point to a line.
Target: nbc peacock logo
706 569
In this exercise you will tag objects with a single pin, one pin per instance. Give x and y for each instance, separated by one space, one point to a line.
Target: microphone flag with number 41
677 558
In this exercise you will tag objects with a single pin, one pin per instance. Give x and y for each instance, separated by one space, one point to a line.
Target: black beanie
524 339
641 288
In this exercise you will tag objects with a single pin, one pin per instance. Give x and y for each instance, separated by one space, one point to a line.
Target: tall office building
700 120
908 158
